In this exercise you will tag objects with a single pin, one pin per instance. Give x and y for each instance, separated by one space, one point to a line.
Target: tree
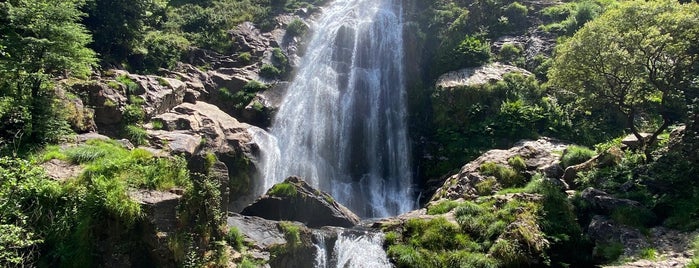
638 58
40 40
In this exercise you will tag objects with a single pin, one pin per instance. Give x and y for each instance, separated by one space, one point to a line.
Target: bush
235 238
486 187
133 113
162 50
517 162
574 155
270 72
509 53
297 28
136 134
245 57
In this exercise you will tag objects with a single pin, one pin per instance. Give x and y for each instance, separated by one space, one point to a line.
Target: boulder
295 200
538 156
478 75
160 210
159 93
604 231
270 241
108 102
198 129
603 201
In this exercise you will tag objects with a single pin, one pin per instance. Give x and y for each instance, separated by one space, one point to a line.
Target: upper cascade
342 124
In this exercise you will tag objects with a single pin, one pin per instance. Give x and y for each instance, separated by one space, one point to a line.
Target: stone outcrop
266 236
295 200
478 75
607 203
195 130
538 157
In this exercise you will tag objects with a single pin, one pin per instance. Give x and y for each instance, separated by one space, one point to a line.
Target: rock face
265 236
538 156
295 200
195 130
607 203
477 76
160 209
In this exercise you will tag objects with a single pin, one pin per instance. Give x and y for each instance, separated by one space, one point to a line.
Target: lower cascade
351 249
342 125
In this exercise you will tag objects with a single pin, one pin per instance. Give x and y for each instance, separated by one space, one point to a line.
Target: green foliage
279 58
41 40
292 233
160 50
637 217
284 189
609 251
235 238
505 175
649 254
574 155
510 53
472 51
131 86
270 71
245 57
616 61
296 28
442 207
136 134
486 186
517 162
133 113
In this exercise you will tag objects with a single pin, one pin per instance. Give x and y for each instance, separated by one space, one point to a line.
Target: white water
342 125
356 250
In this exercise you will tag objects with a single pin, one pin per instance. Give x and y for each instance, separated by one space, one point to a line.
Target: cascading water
342 124
357 249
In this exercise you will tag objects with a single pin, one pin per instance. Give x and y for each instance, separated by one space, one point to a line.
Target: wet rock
295 200
631 141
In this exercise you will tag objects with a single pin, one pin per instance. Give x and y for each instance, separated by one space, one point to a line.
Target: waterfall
342 125
357 249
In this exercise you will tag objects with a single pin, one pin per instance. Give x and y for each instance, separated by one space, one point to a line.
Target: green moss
235 238
131 86
284 189
270 71
245 57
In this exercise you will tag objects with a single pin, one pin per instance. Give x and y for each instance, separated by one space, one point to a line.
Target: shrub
609 251
517 162
279 58
162 50
235 238
136 134
506 176
297 28
133 113
245 57
486 187
574 155
509 52
270 72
